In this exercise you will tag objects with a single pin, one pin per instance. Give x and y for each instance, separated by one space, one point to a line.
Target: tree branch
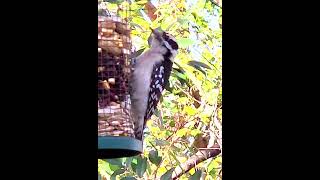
199 157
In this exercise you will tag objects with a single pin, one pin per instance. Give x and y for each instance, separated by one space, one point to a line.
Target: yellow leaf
149 123
205 119
190 110
162 170
182 132
162 135
192 171
154 130
219 159
182 159
195 132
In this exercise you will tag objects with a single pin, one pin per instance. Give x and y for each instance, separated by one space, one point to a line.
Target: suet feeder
115 125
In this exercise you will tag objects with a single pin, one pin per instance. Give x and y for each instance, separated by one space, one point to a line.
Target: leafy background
183 138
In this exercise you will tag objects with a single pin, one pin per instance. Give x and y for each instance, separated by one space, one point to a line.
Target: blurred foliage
192 105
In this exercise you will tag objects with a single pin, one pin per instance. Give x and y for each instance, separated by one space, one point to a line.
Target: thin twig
187 93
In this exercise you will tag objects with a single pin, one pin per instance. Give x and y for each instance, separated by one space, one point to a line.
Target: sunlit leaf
182 132
213 166
155 130
190 110
192 171
140 21
142 2
182 21
162 170
182 100
218 159
104 168
195 132
168 23
185 42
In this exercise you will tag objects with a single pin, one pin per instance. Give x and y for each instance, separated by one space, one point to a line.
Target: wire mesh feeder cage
115 126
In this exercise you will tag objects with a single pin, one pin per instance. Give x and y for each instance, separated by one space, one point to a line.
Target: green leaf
117 172
157 112
114 167
114 1
185 42
134 163
181 77
161 142
117 161
180 68
167 175
172 124
149 170
137 53
128 178
154 157
212 172
128 161
197 64
211 167
134 159
196 175
108 169
141 166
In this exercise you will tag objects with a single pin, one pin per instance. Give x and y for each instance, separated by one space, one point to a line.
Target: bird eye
165 36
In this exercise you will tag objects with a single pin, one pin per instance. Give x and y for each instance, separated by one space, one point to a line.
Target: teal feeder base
118 146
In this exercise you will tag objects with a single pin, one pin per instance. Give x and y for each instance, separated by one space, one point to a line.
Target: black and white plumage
151 74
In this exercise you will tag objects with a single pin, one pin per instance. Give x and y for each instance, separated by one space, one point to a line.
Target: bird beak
156 32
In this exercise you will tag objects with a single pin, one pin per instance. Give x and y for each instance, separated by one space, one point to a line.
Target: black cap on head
160 35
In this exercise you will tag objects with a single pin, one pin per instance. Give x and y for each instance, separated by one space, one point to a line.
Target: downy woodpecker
150 76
